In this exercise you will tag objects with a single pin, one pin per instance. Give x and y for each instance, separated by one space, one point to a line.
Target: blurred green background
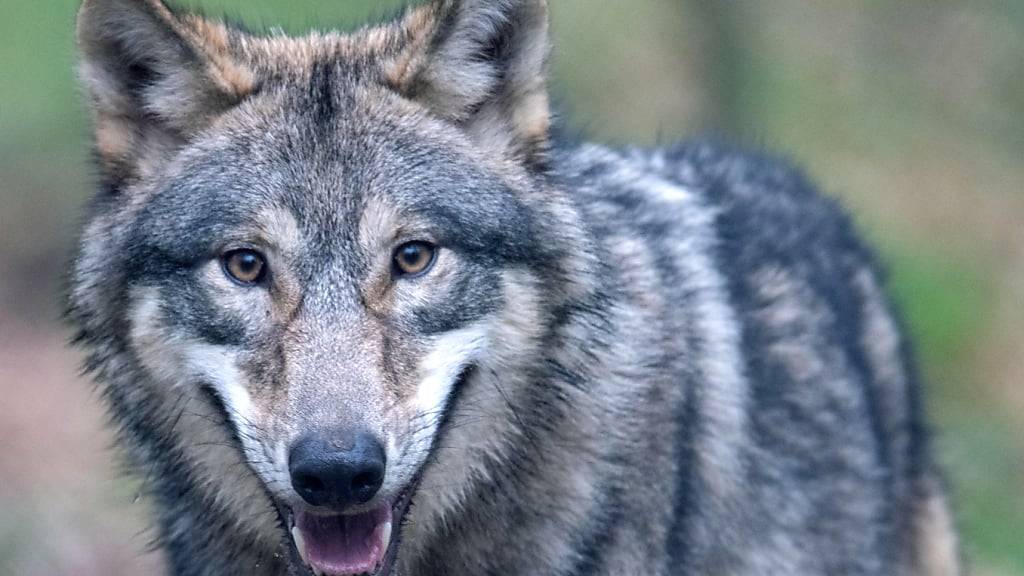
912 112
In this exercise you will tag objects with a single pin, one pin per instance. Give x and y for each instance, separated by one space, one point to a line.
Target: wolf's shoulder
762 207
763 201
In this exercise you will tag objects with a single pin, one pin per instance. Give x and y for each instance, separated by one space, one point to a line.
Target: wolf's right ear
154 79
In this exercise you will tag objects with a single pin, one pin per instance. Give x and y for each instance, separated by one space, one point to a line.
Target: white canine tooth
300 545
386 538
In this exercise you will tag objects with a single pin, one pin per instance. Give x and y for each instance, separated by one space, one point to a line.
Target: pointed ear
481 64
154 79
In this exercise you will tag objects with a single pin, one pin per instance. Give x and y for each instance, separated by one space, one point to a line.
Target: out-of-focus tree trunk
721 54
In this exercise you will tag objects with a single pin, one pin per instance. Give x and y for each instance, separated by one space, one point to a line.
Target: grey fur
674 361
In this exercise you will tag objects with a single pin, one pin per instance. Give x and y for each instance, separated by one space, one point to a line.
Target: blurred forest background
912 112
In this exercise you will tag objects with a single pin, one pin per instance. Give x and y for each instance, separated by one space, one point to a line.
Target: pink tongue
344 545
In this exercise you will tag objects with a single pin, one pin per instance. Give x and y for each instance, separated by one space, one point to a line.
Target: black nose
325 474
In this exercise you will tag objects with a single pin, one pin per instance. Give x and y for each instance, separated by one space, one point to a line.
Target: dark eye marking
414 259
246 267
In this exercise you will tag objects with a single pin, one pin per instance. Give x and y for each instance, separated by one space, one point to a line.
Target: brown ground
66 511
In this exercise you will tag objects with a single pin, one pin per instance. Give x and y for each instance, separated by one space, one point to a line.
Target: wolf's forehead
347 179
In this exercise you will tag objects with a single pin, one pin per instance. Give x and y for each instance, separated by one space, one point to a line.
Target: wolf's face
312 247
330 293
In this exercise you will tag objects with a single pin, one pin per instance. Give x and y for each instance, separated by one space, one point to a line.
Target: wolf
357 307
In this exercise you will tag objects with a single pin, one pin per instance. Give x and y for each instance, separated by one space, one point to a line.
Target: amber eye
414 258
245 266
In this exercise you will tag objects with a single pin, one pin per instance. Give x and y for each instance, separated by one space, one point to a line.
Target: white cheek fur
182 361
449 356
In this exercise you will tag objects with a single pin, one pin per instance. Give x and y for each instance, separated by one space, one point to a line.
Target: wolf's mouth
343 545
349 545
355 544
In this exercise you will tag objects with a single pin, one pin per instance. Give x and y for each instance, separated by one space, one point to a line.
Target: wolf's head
312 256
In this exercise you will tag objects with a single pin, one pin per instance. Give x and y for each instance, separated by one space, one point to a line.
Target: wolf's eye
244 266
414 258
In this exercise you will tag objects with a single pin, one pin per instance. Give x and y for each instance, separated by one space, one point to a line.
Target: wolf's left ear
481 64
154 78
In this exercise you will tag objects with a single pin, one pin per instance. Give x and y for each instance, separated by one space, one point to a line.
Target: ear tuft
154 78
481 64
